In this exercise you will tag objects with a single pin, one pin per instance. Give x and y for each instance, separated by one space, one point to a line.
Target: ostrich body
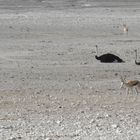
137 63
108 57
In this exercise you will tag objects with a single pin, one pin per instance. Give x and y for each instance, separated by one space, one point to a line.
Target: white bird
125 28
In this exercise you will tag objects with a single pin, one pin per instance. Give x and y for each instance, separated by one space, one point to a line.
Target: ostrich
137 63
108 57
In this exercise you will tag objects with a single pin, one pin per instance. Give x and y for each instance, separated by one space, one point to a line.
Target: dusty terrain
51 85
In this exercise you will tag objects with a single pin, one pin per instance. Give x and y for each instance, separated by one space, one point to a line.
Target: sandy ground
51 85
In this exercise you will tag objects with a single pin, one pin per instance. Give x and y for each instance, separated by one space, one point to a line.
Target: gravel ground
51 85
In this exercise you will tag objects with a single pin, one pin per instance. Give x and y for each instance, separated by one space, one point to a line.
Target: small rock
82 111
118 131
115 126
72 104
10 27
48 139
13 139
85 63
107 115
60 106
92 121
116 74
58 122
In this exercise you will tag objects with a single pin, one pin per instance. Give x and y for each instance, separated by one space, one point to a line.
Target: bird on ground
108 57
137 63
125 29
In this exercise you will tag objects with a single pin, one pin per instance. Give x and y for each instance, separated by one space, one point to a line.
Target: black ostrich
137 63
108 57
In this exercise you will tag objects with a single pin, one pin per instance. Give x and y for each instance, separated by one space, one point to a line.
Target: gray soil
51 85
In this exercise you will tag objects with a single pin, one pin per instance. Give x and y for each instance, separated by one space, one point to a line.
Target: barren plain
51 85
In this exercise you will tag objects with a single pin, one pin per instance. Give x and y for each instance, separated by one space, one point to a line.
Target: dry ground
51 85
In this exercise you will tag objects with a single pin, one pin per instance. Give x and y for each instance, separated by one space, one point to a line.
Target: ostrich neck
136 55
96 51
